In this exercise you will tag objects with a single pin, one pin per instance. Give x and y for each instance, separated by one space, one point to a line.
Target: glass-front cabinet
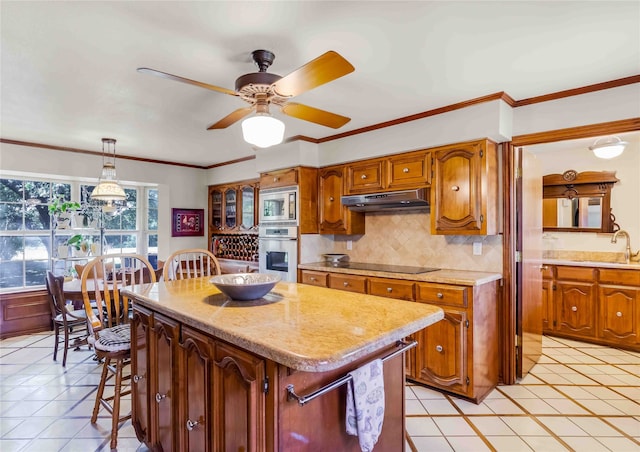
232 207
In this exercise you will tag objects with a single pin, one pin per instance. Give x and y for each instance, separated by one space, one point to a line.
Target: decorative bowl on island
245 286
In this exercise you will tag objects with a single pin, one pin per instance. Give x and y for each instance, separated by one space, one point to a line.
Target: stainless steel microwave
279 205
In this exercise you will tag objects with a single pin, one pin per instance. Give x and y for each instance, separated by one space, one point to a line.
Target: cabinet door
441 356
215 208
248 202
195 418
334 217
239 400
365 177
141 365
458 204
165 340
617 313
281 178
230 208
410 171
575 308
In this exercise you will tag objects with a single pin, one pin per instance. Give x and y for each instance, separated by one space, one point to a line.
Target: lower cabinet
459 354
597 305
187 385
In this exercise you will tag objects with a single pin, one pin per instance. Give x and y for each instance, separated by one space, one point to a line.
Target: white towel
365 404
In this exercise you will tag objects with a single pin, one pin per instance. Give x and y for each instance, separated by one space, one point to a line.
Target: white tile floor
578 397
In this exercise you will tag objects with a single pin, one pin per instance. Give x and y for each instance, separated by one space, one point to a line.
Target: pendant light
108 189
262 130
608 147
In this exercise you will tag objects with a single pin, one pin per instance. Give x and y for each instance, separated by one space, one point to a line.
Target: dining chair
72 323
190 263
109 328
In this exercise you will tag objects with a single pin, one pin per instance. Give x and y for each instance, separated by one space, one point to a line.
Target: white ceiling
68 69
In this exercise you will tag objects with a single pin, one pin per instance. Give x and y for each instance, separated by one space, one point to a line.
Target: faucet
627 251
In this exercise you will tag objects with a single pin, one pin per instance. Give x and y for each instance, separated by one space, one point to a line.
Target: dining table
73 291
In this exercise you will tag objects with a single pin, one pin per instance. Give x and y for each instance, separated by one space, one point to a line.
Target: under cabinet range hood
392 200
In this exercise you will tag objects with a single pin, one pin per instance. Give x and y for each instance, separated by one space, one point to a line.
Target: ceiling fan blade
325 68
231 118
146 70
316 115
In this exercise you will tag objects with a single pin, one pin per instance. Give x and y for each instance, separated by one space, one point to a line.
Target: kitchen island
210 373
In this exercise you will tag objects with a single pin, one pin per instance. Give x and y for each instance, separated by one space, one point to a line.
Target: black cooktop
384 268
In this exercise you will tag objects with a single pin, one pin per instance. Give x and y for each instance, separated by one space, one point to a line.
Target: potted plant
80 245
86 216
61 211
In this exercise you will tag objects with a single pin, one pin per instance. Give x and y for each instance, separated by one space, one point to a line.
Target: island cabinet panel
464 189
597 305
239 400
141 366
334 218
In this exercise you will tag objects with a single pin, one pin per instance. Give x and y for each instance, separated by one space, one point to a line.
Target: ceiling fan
260 89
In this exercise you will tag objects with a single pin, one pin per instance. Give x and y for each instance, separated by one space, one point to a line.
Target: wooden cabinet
365 177
598 305
464 189
193 392
548 315
233 207
334 217
408 171
458 354
280 178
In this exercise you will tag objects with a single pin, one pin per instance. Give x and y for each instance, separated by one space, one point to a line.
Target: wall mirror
575 201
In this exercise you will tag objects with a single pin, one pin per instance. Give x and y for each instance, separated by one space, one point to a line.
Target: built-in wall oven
278 251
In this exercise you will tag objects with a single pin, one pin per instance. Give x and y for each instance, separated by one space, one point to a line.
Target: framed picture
187 222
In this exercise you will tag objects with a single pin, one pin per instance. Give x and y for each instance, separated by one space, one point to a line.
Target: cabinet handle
276 179
544 267
619 314
439 295
160 397
455 188
331 198
346 284
312 278
364 176
137 378
389 289
439 348
574 308
191 425
405 170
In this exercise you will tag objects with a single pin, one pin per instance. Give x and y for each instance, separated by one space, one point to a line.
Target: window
26 229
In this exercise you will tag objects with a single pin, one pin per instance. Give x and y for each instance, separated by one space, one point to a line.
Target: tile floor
579 396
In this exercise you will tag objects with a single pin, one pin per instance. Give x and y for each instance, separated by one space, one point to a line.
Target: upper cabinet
334 217
233 207
280 178
405 171
464 189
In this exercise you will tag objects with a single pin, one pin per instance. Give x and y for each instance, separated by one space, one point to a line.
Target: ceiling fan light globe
263 130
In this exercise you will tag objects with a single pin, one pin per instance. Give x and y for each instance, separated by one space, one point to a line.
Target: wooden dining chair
71 323
109 327
190 263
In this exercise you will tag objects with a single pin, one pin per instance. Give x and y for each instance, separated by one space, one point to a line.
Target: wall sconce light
108 189
262 130
608 147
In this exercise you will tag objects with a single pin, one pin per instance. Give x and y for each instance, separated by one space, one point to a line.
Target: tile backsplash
405 239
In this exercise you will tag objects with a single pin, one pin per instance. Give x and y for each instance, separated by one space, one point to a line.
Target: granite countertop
303 327
589 263
443 276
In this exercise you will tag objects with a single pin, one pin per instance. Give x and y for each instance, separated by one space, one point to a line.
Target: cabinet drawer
352 283
442 294
365 177
546 271
575 273
282 178
410 172
620 276
314 278
391 288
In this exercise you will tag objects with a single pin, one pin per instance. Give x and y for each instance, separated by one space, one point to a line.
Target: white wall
178 187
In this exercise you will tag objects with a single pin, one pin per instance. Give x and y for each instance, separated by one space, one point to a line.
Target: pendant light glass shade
263 130
108 188
608 147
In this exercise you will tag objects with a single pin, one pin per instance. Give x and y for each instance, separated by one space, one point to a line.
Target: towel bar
342 380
